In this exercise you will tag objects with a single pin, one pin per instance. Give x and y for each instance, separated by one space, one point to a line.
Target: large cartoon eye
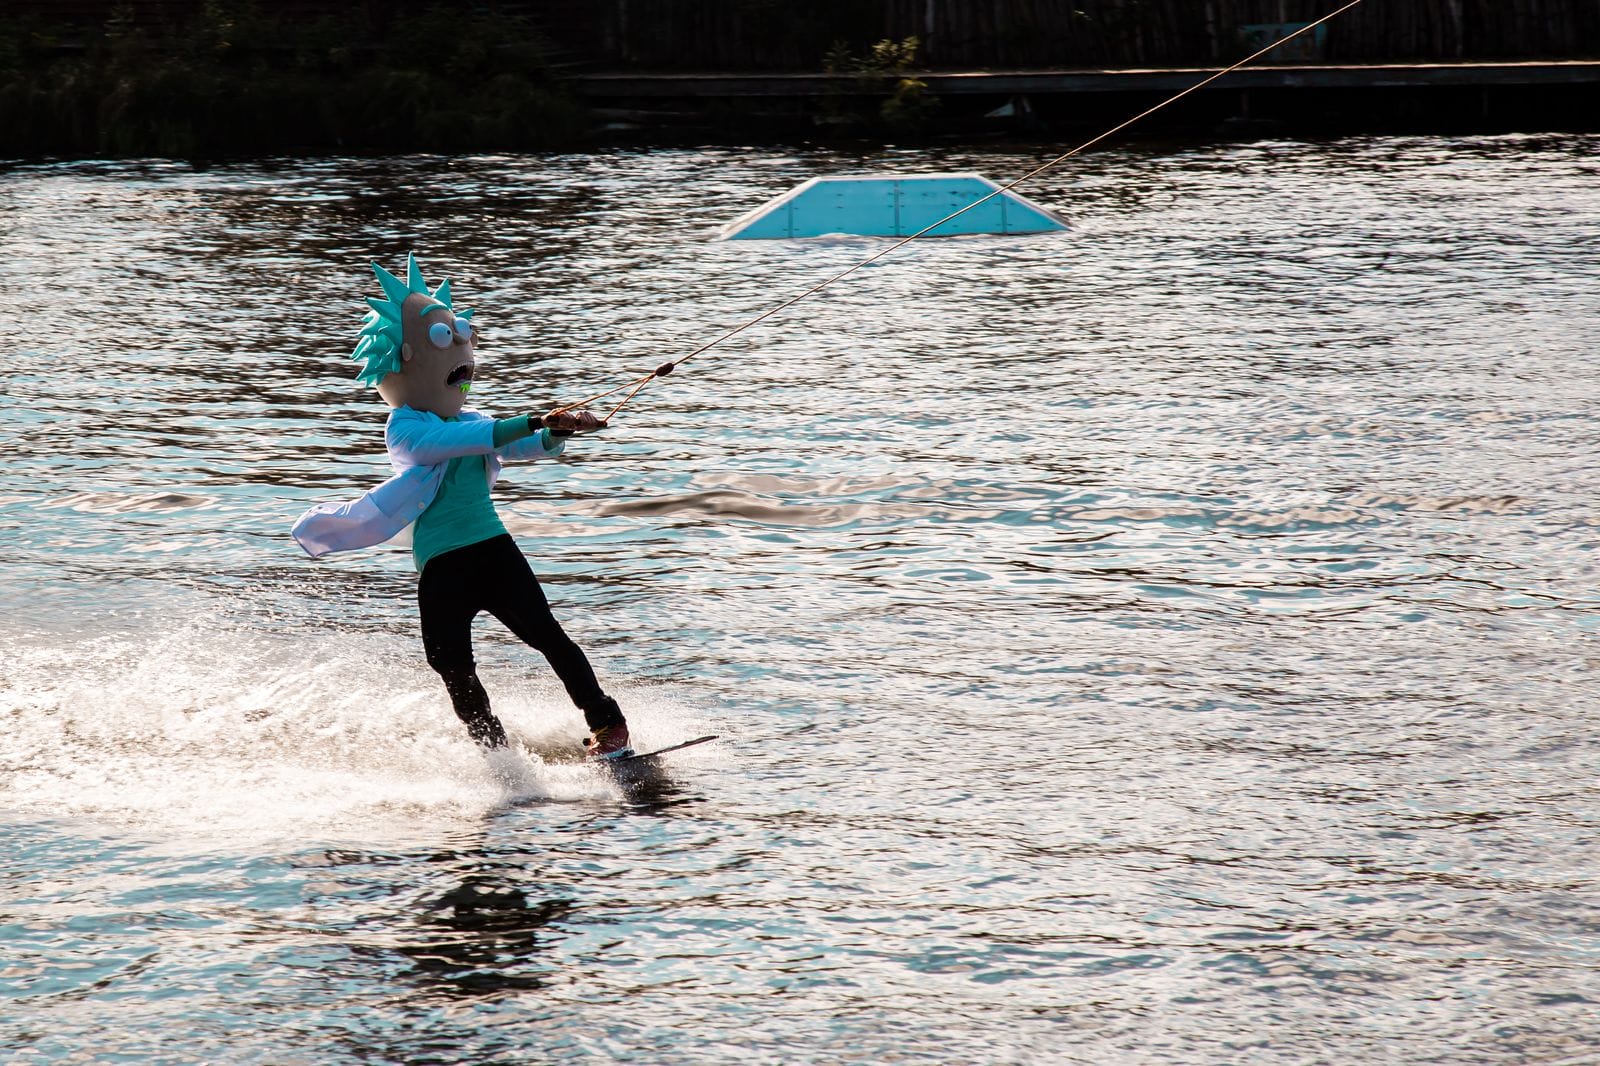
439 333
463 329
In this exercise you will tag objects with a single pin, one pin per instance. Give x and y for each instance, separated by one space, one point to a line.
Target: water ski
641 758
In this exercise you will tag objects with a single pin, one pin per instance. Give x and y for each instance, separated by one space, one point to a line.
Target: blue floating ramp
892 205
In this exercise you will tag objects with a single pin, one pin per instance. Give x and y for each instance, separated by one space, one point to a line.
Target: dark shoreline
599 112
235 82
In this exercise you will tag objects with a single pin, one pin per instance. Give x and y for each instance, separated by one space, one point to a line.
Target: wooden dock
1563 94
597 87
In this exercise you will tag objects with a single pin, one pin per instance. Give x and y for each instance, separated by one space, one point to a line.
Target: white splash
194 732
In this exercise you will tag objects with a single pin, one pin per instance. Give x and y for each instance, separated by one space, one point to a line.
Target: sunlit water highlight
1173 641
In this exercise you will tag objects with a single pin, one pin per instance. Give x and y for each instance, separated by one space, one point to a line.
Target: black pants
493 576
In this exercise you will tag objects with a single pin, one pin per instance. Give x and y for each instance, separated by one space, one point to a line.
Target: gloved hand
566 423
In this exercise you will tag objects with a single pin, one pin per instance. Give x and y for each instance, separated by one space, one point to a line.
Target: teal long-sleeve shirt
462 513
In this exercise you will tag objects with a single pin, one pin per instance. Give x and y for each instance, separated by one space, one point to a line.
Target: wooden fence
1040 34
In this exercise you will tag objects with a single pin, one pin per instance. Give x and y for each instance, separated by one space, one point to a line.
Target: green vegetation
882 74
236 79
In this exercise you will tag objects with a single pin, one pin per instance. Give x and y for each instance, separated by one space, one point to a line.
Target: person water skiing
420 354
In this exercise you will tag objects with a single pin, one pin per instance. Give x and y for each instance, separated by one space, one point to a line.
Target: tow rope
636 385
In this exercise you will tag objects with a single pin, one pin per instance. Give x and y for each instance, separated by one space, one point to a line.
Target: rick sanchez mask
415 347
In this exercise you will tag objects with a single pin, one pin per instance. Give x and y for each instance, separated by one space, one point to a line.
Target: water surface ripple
1170 641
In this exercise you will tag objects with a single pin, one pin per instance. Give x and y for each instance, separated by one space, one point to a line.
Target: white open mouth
461 375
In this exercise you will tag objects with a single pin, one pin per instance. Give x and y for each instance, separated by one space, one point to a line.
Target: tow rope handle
543 421
632 388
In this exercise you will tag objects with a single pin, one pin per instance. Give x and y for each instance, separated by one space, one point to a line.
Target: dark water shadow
648 787
477 939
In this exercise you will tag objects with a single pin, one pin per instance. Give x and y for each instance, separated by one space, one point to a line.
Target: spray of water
184 729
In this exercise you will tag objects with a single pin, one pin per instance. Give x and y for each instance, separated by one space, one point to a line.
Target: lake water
1171 641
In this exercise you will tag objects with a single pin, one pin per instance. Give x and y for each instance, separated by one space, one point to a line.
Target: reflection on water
1168 641
482 936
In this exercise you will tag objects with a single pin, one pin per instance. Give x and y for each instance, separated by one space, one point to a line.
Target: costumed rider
418 351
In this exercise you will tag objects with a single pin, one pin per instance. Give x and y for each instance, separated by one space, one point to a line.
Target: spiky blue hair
381 331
